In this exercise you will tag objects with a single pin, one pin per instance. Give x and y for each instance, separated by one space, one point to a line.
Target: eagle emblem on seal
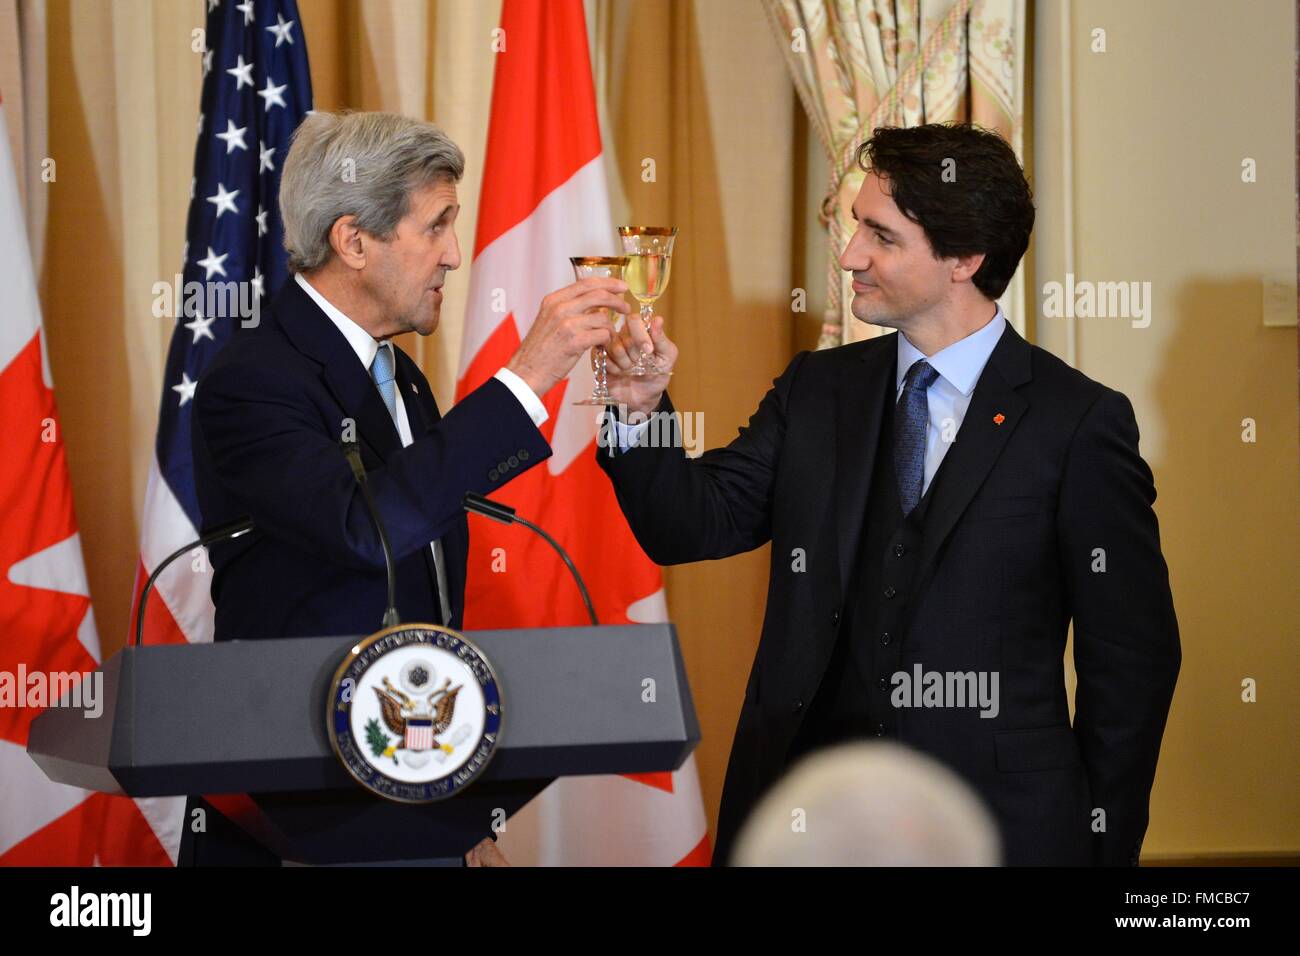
417 721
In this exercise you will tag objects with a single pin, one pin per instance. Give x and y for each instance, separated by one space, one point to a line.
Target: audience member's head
869 804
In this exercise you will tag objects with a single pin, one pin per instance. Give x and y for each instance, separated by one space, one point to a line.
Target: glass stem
602 384
647 360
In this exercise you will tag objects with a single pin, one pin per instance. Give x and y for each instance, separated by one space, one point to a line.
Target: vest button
835 617
899 551
882 682
797 705
885 639
890 592
880 730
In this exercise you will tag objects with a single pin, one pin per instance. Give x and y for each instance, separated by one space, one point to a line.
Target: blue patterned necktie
381 370
912 413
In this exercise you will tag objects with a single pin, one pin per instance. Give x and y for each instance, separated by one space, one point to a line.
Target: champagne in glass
647 276
650 257
605 267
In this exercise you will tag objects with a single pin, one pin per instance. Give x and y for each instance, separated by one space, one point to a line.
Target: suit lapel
312 332
421 408
996 409
347 380
422 414
861 390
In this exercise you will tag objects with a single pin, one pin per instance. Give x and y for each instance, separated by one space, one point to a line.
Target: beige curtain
22 87
860 64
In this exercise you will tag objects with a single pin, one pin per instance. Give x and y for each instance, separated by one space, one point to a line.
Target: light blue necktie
913 411
381 370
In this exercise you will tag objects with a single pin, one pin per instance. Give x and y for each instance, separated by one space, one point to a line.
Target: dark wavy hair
985 205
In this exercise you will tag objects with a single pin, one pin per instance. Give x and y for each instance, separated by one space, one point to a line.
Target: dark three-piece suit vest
853 699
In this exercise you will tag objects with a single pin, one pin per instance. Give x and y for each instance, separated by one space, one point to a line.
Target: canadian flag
543 199
46 625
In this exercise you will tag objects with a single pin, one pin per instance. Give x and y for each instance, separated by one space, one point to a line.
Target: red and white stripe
419 735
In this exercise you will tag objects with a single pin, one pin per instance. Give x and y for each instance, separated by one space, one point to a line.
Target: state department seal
414 712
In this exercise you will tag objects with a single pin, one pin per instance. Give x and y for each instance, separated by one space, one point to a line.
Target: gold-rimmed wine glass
649 250
604 267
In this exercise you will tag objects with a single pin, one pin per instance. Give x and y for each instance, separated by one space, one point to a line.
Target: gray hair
358 164
869 804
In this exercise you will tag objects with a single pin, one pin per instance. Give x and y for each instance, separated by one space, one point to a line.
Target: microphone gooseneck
353 454
480 505
222 532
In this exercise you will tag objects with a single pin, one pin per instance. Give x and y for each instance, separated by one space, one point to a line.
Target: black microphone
495 510
222 532
353 453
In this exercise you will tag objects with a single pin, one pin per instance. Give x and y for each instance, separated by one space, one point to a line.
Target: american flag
256 90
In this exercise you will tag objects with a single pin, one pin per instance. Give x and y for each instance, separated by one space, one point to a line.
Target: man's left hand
639 393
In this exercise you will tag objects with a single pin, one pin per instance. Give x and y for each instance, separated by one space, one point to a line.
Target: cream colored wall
1161 123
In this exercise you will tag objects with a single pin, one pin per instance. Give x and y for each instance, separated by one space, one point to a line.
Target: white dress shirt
959 366
366 347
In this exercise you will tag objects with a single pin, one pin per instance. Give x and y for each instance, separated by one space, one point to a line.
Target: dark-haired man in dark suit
941 503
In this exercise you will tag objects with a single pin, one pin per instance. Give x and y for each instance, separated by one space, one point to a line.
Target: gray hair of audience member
357 164
869 804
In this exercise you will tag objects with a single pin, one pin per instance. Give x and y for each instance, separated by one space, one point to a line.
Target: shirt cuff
630 436
527 397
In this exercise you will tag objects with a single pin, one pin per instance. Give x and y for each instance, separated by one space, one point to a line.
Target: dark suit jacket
1007 562
268 416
